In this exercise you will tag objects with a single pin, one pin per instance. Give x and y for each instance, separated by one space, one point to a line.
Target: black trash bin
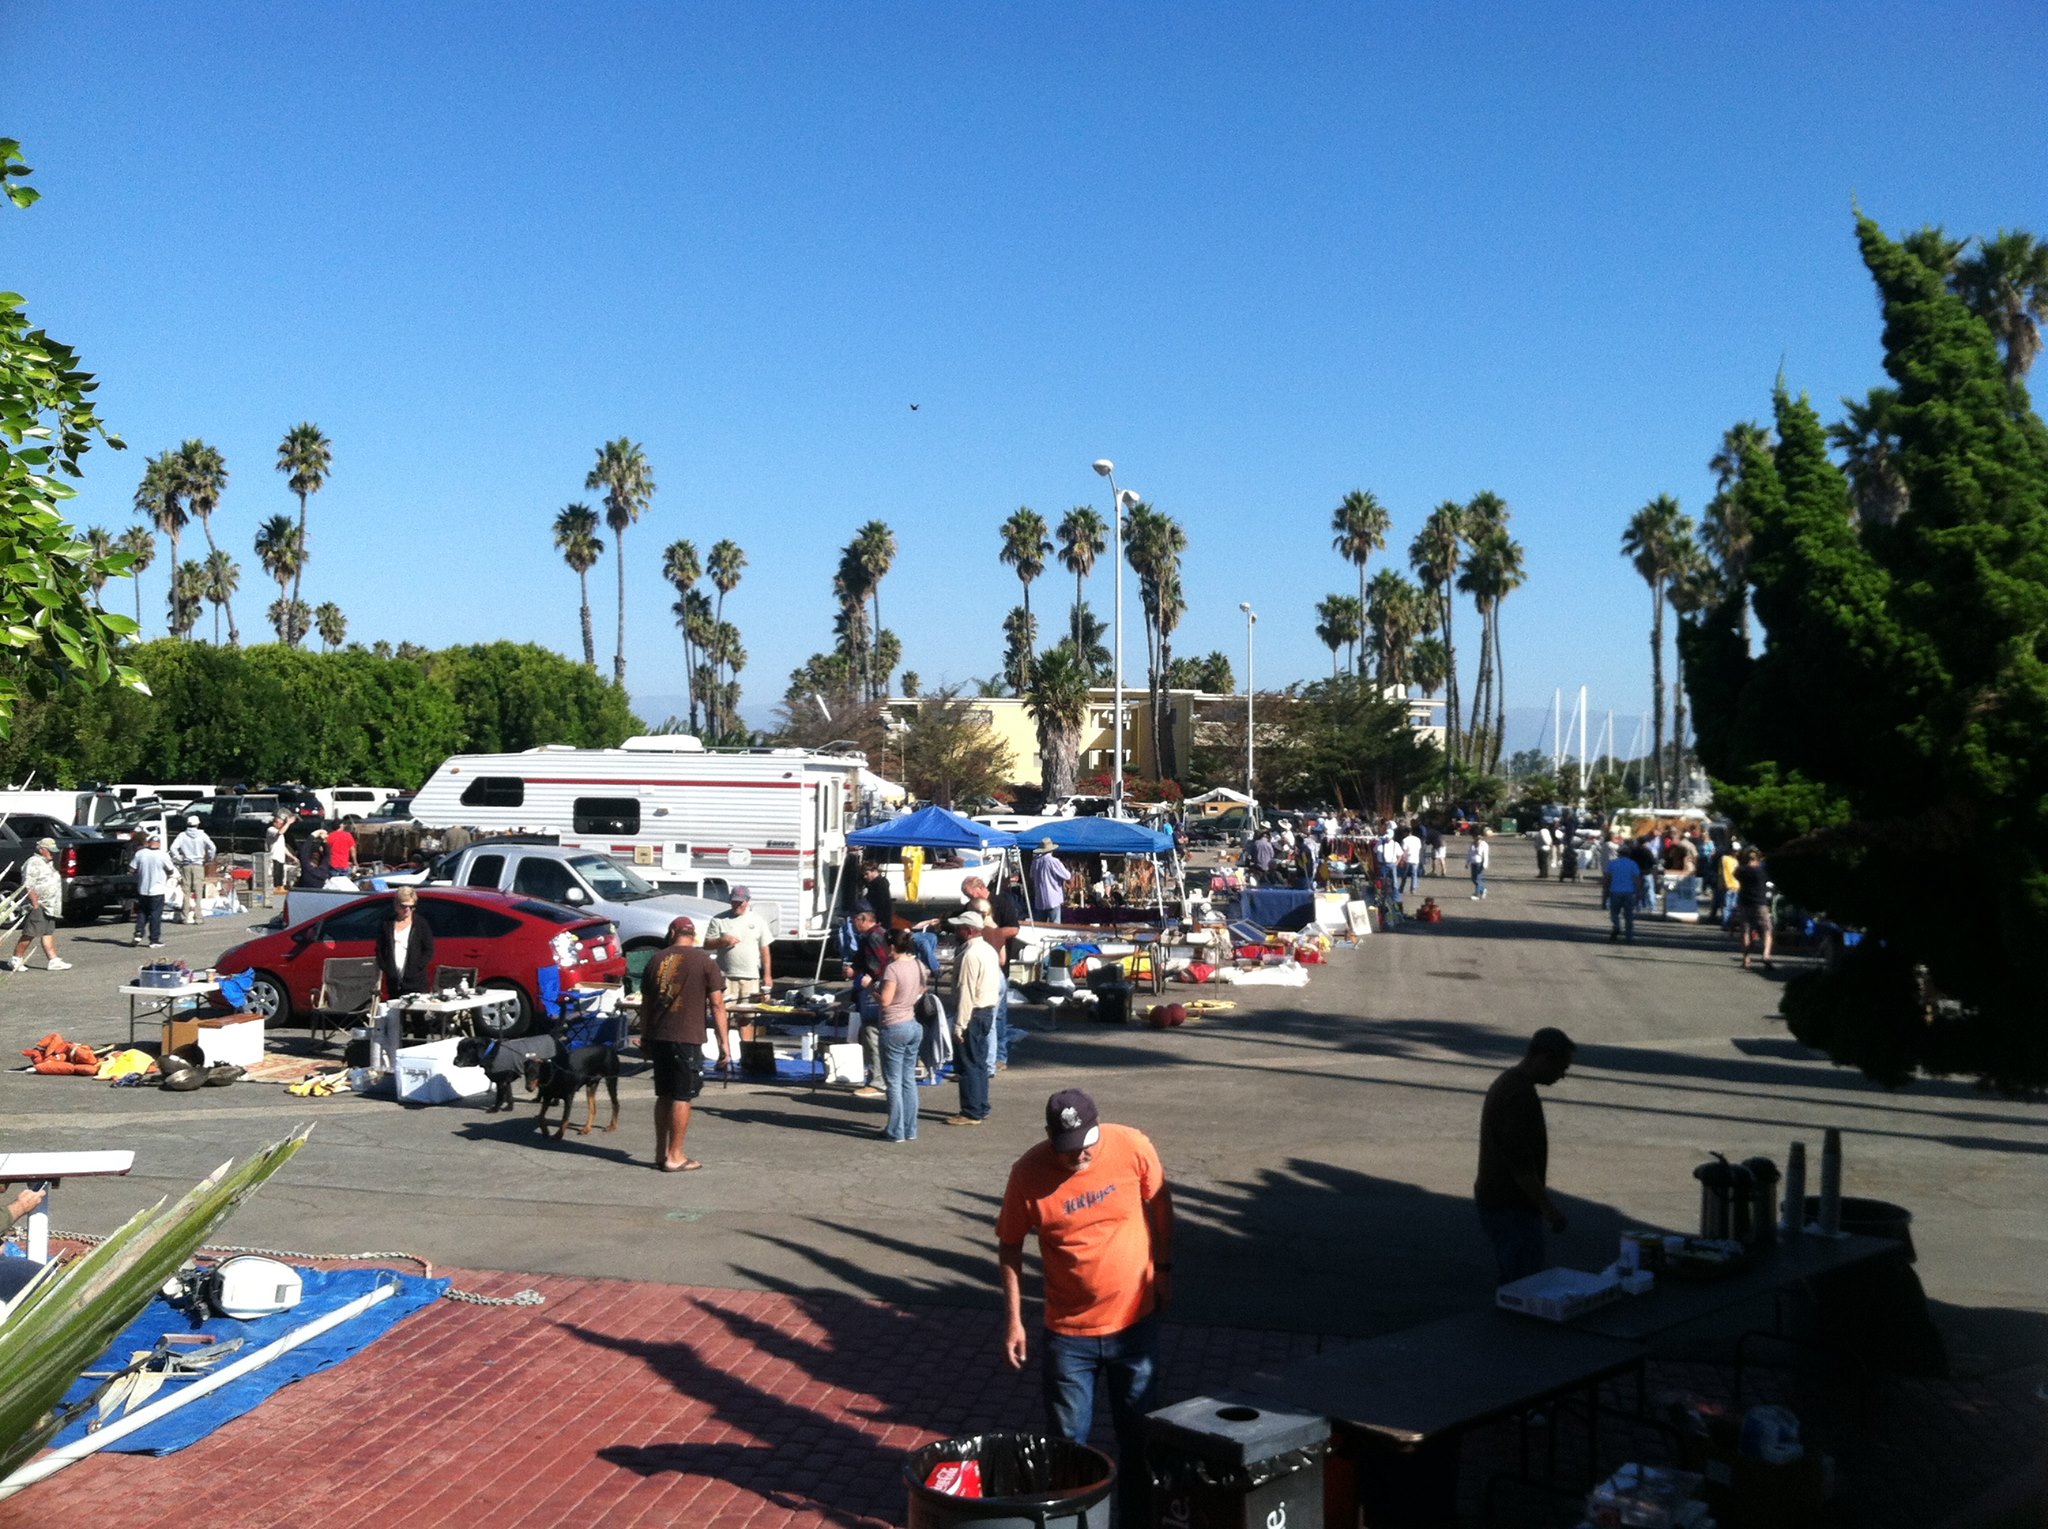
1877 1310
1028 1481
1234 1462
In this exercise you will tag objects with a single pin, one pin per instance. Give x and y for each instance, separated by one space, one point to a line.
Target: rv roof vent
664 743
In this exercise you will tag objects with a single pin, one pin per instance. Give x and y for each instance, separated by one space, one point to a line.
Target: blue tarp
325 1290
1277 907
931 828
1099 836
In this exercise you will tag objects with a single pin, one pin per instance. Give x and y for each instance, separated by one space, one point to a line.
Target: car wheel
507 1018
268 999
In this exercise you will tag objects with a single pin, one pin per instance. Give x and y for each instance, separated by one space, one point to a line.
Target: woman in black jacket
405 947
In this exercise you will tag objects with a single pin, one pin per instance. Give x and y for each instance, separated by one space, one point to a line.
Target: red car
507 939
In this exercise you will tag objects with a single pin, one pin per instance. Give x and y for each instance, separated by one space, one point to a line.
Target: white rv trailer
692 819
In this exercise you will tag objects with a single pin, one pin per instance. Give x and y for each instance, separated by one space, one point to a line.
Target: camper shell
689 818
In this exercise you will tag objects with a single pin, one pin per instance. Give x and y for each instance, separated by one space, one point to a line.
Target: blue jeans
1005 1032
927 946
1410 878
1621 908
899 1075
1128 1361
1517 1238
1478 881
970 1063
149 918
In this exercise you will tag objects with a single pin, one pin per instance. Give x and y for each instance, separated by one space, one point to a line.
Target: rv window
485 871
495 791
606 814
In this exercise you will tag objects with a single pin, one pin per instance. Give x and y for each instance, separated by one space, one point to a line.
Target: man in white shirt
189 853
1411 858
154 874
980 977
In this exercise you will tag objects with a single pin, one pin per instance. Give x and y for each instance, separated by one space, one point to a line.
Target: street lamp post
1251 619
1118 498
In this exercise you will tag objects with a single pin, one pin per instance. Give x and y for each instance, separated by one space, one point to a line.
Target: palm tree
1358 529
1020 638
2005 283
680 566
1651 544
1058 703
332 625
1869 444
1399 614
851 627
1435 555
623 475
1026 546
1936 250
726 563
1153 544
304 456
159 497
1332 629
1429 665
100 542
140 546
1694 586
1484 520
1506 573
223 578
1094 652
577 540
1084 537
277 549
188 597
291 621
1724 528
202 478
874 547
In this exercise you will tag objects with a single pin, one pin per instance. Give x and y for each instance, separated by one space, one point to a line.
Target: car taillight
70 862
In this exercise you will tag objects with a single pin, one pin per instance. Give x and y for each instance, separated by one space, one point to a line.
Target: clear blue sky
1258 255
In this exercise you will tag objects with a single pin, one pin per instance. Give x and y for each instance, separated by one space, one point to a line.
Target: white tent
1220 794
882 790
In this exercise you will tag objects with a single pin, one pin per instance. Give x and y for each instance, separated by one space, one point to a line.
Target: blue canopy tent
931 828
1100 836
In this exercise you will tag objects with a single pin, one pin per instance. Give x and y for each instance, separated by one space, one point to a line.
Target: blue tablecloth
1271 907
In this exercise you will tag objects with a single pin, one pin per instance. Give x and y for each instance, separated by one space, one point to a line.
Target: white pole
55 1461
1582 737
1556 728
1251 619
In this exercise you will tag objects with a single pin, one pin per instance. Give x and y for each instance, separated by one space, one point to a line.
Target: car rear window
452 920
551 913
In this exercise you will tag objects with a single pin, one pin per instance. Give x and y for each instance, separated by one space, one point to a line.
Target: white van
353 801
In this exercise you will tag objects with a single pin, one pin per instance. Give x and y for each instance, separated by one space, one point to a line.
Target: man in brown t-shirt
1513 1189
682 990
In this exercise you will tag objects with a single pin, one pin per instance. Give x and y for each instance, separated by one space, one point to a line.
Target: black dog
557 1080
503 1061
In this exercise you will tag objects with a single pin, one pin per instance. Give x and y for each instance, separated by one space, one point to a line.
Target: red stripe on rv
563 780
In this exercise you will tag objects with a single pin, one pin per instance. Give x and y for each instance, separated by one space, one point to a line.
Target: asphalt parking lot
1320 1140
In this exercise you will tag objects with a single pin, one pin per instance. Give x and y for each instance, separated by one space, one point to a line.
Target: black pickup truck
94 866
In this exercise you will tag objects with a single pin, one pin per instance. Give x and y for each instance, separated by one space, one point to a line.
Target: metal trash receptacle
1235 1462
1028 1481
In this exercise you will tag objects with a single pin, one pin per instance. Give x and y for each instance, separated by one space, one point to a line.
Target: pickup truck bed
94 867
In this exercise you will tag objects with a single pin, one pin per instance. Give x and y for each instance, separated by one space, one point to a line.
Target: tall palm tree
626 480
1485 520
1435 555
1358 529
1332 629
1651 544
223 578
874 546
577 540
1398 614
1506 573
202 478
332 625
159 497
1083 537
1058 703
1153 544
681 567
1020 639
140 546
851 628
188 597
291 621
2005 283
1936 250
1869 443
100 542
1724 528
304 456
1694 586
1429 665
277 549
1026 546
725 565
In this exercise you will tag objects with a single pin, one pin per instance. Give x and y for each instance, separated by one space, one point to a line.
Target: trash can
1112 992
1015 1481
1235 1462
1877 1310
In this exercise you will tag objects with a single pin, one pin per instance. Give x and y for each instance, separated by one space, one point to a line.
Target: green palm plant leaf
577 540
65 1320
1358 529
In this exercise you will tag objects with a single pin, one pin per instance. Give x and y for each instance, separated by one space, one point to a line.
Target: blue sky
1259 255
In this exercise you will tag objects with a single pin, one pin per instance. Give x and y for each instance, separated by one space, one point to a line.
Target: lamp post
1251 619
1118 499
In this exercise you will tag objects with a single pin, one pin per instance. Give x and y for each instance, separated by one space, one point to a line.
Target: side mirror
575 897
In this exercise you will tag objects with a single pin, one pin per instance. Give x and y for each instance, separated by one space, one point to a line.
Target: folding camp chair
349 990
448 979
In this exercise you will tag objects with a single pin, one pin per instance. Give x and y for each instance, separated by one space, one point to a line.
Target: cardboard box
428 1075
179 1032
236 1038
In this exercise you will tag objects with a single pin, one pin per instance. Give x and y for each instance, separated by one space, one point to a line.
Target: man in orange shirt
1096 1197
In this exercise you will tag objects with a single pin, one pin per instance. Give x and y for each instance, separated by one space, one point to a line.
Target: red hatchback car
506 939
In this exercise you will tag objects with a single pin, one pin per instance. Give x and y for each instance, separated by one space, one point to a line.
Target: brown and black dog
557 1080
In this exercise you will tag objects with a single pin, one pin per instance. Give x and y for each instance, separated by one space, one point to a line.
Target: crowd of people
1637 874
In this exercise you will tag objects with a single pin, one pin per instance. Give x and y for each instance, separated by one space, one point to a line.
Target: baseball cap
738 895
680 926
46 844
970 920
1071 1121
193 821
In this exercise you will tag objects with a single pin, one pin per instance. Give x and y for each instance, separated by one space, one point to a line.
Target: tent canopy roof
1220 794
931 828
1099 836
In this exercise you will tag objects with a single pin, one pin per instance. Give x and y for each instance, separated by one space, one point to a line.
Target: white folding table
50 1168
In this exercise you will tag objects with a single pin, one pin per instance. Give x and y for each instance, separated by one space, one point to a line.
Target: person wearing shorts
682 997
1753 905
45 902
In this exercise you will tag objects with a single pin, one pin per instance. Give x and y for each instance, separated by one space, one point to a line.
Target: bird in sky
913 408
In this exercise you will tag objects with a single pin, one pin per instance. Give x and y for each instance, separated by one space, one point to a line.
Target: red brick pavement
627 1406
